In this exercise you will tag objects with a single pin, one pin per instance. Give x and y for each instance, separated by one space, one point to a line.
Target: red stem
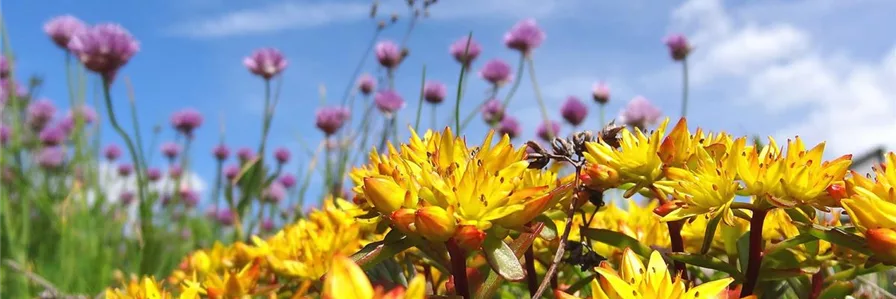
677 245
817 284
459 269
531 275
755 258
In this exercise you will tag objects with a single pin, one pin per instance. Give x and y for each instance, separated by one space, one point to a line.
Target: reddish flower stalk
531 275
755 258
817 284
677 245
459 269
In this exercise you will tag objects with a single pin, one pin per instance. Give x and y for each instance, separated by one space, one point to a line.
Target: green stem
516 82
603 114
351 84
420 103
432 117
544 110
684 87
328 179
460 85
145 210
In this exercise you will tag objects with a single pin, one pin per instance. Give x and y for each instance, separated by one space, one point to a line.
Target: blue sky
822 69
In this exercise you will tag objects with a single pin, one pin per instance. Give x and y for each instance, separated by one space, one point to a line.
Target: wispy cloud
273 18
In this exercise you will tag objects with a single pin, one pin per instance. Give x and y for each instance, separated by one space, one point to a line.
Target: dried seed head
394 17
579 140
537 161
562 147
536 148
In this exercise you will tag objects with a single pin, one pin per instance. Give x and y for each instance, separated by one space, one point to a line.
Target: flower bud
385 195
882 241
599 177
403 220
666 208
469 237
435 224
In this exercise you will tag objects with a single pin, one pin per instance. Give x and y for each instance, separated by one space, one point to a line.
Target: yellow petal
346 280
708 290
385 195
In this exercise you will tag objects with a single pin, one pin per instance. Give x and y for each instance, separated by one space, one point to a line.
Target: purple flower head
40 113
266 62
187 120
86 113
226 217
231 171
4 67
21 91
211 212
125 169
388 101
104 48
174 171
434 92
493 111
525 36
126 198
62 28
281 154
274 193
574 111
509 126
153 174
496 72
221 152
4 134
287 180
679 48
330 119
388 53
170 150
52 135
544 134
267 225
112 152
190 197
50 157
459 47
366 84
245 154
640 113
601 93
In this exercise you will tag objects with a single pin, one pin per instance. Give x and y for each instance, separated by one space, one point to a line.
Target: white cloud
783 68
274 17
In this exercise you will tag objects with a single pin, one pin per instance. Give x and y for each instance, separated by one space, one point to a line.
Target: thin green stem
432 117
328 179
684 87
544 110
351 84
460 85
145 209
494 93
516 82
420 103
603 115
136 123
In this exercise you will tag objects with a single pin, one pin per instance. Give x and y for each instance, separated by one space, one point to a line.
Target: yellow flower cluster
437 187
871 205
633 280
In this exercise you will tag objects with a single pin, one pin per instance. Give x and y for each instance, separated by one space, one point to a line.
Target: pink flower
525 36
266 62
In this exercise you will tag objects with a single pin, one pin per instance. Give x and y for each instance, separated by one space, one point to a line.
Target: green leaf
708 262
797 215
581 283
519 247
743 250
852 273
616 239
549 232
837 289
376 252
779 274
502 259
711 227
789 243
838 236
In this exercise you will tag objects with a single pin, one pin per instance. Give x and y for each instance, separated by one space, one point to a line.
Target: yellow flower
478 186
305 248
233 284
678 148
760 170
347 280
872 208
706 186
806 177
634 281
147 288
636 160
